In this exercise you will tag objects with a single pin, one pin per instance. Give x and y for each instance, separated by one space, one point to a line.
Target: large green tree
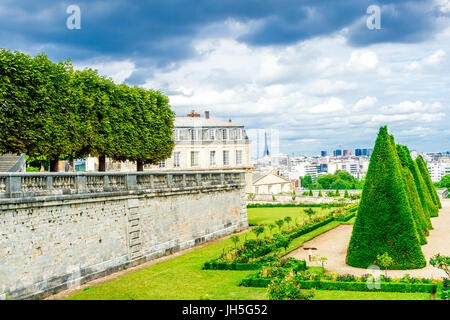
384 222
49 111
430 187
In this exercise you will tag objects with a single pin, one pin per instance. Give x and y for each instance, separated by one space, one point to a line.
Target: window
224 134
212 134
212 158
194 158
232 134
238 157
176 159
226 158
162 164
238 134
193 134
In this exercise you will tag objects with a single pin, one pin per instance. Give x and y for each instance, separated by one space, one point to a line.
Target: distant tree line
444 183
339 180
49 111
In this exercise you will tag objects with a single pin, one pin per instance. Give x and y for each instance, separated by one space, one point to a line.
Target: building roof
203 122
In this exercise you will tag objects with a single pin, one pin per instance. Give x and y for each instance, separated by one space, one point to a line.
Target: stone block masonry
58 231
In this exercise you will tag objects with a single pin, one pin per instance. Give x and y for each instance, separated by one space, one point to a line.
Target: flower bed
443 290
301 205
274 270
347 282
258 252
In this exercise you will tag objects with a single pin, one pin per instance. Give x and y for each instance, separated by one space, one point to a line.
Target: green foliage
384 223
441 262
310 193
420 220
279 223
310 212
430 187
444 183
288 220
346 195
385 261
339 180
288 290
320 193
337 194
258 230
51 111
306 181
235 240
426 202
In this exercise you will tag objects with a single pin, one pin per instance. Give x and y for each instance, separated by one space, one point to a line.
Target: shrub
384 221
285 289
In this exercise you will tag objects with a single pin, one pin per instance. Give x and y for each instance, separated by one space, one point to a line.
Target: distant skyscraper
266 146
347 153
366 152
358 152
337 153
323 153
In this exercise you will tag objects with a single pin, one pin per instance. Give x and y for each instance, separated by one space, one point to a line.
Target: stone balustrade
19 185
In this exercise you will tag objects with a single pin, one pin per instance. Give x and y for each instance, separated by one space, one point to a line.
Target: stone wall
52 240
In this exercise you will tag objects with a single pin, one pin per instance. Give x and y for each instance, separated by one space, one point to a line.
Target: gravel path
334 243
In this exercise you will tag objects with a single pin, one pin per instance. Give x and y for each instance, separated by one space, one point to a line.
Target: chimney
193 114
206 114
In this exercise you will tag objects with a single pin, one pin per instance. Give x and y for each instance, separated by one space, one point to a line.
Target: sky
311 70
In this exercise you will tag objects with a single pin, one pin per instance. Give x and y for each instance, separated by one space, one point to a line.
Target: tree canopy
50 111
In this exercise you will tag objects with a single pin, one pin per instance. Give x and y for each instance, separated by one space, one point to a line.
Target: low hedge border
347 286
212 265
301 205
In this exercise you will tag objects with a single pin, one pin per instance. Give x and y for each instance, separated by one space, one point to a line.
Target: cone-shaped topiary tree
406 179
427 178
384 222
425 199
414 199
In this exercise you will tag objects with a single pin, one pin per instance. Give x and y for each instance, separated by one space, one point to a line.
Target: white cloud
365 103
363 60
332 105
435 57
118 71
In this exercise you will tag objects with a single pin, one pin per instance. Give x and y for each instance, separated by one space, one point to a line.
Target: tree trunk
42 166
140 166
54 165
102 163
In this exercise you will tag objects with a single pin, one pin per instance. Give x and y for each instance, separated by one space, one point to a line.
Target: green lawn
270 215
183 278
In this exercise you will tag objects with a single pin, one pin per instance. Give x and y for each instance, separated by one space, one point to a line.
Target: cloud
332 105
435 57
363 60
118 71
365 104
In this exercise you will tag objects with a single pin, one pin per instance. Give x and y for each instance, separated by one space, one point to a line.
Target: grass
182 278
270 215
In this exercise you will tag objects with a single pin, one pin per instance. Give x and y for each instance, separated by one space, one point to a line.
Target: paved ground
334 243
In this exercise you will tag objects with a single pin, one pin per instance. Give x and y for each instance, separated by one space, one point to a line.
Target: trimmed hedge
212 265
346 286
384 223
362 286
430 187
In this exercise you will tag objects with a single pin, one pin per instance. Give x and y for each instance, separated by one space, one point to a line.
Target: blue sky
310 69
